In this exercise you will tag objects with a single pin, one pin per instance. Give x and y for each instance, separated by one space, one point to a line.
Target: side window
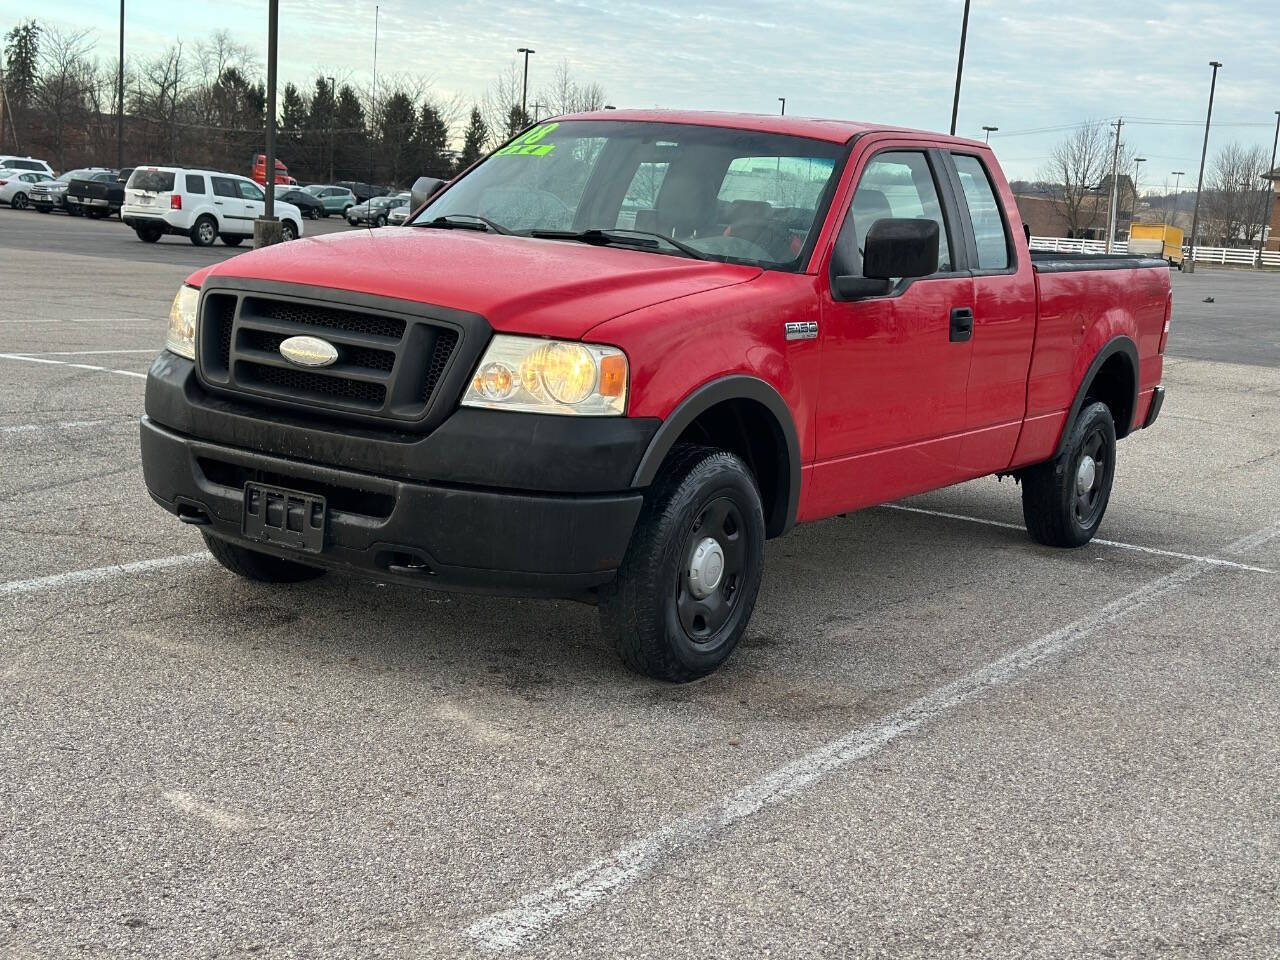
249 191
984 211
642 193
223 187
195 183
893 185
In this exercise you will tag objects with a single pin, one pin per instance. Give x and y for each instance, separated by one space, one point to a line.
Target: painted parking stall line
67 363
1119 545
537 913
75 578
24 428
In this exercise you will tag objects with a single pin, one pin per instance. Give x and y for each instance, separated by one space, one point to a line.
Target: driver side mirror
424 188
895 247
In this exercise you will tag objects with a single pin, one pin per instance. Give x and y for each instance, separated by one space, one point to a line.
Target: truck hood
552 288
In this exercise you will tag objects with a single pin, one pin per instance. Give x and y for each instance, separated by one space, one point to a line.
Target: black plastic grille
389 367
446 340
305 384
310 315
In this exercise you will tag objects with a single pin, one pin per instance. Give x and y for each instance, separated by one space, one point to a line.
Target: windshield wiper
619 237
465 221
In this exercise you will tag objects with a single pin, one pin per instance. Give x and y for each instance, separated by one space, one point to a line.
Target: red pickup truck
616 355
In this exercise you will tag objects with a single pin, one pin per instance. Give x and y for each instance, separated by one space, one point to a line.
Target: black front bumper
515 504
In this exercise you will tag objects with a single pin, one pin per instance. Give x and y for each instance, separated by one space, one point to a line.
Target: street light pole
1115 185
1271 191
964 36
269 176
333 109
1133 214
120 97
1176 184
989 131
1204 152
783 101
524 90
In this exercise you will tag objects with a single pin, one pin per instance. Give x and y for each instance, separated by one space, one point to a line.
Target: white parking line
536 913
80 353
1215 561
83 320
63 425
67 363
95 574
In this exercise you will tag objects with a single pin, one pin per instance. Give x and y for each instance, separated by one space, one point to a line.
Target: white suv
24 163
201 204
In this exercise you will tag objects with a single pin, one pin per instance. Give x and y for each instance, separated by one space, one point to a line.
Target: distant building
1047 219
1273 228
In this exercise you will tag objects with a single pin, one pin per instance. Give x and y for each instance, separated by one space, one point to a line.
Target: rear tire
1064 499
259 567
204 231
691 574
148 234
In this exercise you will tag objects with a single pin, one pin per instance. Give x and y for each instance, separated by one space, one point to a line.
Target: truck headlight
181 338
550 376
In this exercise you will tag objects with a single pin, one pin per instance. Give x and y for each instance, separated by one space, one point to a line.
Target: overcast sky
1030 64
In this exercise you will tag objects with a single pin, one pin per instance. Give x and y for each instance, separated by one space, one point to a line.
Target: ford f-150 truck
612 358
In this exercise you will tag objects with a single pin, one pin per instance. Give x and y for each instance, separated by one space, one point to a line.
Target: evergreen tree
432 142
396 128
517 120
351 147
474 140
293 119
22 62
318 139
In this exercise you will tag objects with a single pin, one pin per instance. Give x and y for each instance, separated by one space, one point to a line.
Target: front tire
689 581
259 567
289 230
204 231
1064 499
231 239
19 201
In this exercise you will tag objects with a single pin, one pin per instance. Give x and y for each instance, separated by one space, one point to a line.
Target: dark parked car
311 206
364 191
375 212
52 194
98 195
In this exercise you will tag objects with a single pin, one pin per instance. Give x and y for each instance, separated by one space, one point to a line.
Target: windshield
731 195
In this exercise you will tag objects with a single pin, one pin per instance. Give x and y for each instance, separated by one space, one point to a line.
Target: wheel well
750 431
1113 385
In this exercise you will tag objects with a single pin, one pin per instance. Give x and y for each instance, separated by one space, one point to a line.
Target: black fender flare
1123 345
735 387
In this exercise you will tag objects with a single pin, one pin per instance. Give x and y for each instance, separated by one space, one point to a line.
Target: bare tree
62 88
502 103
1236 194
566 95
1074 173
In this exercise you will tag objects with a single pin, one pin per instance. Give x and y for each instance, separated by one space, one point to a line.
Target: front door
895 367
230 206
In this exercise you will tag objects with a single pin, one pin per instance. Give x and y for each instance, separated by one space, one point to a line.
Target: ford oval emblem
309 351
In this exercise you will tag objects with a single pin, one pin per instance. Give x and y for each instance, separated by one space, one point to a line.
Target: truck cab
615 356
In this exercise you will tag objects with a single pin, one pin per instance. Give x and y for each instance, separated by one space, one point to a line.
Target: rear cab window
990 234
153 181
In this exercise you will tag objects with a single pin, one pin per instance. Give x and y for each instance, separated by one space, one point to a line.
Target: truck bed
1046 261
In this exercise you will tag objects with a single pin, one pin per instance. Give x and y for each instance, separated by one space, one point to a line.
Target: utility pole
989 131
373 104
1115 181
1271 190
524 90
3 97
537 107
1204 152
964 36
333 109
120 97
783 101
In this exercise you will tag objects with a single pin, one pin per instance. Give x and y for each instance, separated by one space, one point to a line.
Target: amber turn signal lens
613 376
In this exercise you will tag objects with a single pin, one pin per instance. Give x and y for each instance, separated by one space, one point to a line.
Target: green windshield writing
529 144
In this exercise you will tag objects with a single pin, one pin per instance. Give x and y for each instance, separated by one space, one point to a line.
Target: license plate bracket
288 518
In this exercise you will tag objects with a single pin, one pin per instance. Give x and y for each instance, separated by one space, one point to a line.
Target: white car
10 162
204 205
15 186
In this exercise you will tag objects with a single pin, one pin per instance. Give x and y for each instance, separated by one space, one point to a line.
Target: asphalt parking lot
938 740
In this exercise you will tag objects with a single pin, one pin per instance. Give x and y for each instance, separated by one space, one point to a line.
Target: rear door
230 205
895 370
1004 315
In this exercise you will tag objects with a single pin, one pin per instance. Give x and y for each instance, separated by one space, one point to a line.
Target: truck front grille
389 367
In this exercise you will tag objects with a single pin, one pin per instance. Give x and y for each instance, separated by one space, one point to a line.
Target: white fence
1223 255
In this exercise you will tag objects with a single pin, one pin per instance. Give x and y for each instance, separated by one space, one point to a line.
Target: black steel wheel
1064 499
688 583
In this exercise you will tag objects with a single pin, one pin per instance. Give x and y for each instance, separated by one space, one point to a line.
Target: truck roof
817 128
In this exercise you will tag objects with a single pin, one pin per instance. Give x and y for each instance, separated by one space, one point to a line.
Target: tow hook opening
405 563
193 513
